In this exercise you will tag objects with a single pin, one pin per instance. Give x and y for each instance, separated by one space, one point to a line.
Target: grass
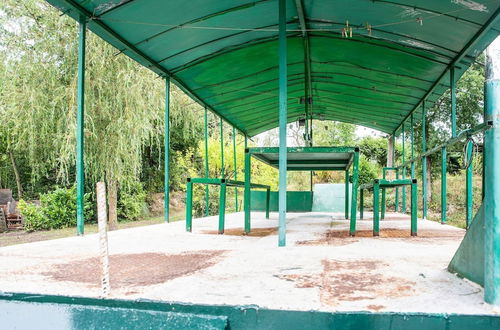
22 237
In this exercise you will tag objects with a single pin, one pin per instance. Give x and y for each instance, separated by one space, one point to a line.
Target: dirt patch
131 270
375 308
342 237
256 232
352 280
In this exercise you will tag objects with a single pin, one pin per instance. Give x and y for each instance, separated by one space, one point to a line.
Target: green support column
189 205
453 92
491 201
222 148
396 199
268 202
80 176
246 196
235 171
382 212
166 183
424 163
282 122
443 185
403 170
207 194
354 193
361 203
346 199
414 207
222 206
376 208
468 184
412 140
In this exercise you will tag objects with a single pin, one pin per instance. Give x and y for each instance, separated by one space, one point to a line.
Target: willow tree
124 101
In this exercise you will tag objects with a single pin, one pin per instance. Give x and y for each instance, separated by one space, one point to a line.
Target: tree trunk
16 173
112 204
429 180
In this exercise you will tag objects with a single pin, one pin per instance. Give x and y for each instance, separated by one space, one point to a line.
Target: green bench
223 183
383 184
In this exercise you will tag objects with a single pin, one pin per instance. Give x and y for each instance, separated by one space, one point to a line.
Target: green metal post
346 199
414 207
453 92
403 170
443 185
412 148
189 205
282 122
468 185
80 176
382 213
207 194
235 171
491 201
222 148
166 184
424 163
361 203
376 205
268 202
222 206
396 199
246 197
354 194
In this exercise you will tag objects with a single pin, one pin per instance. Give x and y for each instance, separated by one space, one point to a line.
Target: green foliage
368 171
132 202
374 149
57 209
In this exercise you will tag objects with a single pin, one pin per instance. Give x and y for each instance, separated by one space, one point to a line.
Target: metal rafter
463 53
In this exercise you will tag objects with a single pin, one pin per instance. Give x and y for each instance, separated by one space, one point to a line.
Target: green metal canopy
308 158
366 62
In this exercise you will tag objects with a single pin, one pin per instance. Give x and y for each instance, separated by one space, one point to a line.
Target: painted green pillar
414 207
412 150
235 171
383 206
354 193
424 162
361 203
346 198
166 184
268 202
443 184
222 206
396 198
222 148
189 205
376 208
403 170
80 171
246 196
491 202
453 93
282 123
468 183
207 193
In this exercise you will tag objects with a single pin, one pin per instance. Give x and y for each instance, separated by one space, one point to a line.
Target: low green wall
34 311
296 201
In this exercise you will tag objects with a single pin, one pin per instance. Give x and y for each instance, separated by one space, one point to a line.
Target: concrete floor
320 268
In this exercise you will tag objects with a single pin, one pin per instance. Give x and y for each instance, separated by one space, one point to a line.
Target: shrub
57 209
132 202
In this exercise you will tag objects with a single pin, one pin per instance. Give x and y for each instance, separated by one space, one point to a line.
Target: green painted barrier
469 258
30 311
297 201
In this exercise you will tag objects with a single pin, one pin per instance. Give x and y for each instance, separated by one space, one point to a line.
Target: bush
132 202
57 209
